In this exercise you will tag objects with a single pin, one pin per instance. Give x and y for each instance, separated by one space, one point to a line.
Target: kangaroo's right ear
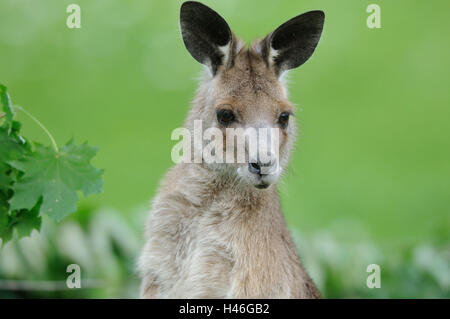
293 42
206 34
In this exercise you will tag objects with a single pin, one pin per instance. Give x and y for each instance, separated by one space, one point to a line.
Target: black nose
254 168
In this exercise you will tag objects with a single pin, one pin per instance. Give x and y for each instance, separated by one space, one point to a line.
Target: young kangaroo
217 230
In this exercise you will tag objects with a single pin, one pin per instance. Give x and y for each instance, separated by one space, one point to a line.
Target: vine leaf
55 177
25 221
12 148
5 220
6 107
35 179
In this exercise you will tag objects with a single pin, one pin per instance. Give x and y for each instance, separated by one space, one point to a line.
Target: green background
372 158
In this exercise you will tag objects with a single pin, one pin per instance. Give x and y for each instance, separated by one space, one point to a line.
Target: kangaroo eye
225 117
284 119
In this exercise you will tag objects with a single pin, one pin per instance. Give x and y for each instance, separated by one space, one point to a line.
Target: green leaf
6 106
55 177
11 148
43 181
23 221
5 220
27 220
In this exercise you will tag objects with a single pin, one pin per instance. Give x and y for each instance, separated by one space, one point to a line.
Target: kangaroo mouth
262 185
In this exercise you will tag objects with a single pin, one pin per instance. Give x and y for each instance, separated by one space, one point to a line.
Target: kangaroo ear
206 34
293 43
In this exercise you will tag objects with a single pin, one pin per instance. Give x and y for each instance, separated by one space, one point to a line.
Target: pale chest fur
224 246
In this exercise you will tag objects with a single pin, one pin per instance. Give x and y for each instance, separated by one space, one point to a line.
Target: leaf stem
55 146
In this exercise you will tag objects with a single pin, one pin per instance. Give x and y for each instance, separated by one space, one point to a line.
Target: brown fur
211 234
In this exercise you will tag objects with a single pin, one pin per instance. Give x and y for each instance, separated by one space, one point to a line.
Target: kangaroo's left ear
206 35
293 43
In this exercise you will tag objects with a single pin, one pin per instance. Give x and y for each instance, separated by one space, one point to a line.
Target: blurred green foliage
372 159
105 245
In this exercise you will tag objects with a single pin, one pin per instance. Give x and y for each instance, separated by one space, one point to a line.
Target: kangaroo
216 230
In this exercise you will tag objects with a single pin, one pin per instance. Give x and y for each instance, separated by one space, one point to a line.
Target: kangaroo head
242 87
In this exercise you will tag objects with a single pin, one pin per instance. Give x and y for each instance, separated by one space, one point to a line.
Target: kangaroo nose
261 168
254 168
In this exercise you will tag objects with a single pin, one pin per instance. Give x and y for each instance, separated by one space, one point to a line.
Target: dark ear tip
317 14
186 6
190 5
315 17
